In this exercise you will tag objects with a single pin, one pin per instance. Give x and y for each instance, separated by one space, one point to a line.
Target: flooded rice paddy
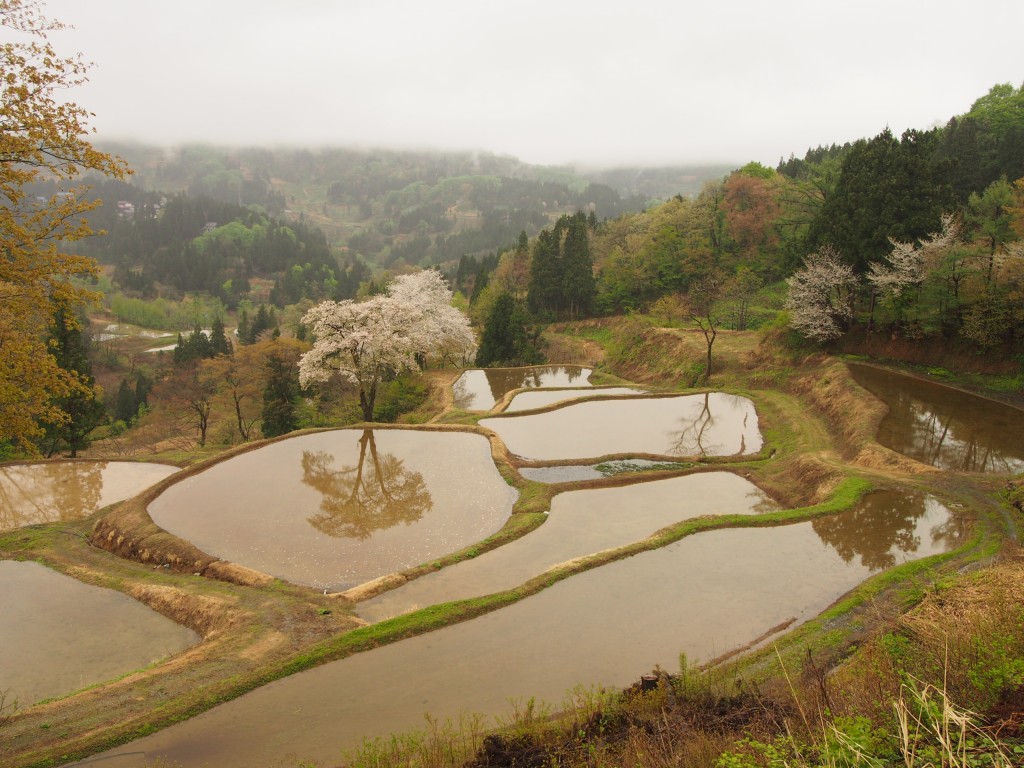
525 401
945 427
571 473
338 508
59 635
481 389
48 492
704 595
580 523
712 424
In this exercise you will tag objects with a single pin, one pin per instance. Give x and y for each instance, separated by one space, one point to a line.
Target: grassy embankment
818 459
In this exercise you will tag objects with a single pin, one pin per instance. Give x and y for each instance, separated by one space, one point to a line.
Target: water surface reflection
59 635
53 491
945 427
711 424
888 526
703 595
479 389
580 523
360 499
334 509
525 401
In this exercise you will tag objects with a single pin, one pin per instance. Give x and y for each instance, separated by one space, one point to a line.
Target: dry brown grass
850 411
967 637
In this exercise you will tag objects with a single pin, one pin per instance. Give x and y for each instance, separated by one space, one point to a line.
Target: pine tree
508 337
545 274
83 407
125 406
244 328
578 286
219 343
280 396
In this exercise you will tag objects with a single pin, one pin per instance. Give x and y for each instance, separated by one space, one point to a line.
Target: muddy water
59 635
703 595
524 401
337 508
479 390
945 427
580 523
568 473
713 424
69 490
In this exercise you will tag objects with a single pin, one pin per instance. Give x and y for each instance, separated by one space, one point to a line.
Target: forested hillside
398 209
903 238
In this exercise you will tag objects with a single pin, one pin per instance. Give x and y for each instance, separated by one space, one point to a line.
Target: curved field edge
338 646
240 618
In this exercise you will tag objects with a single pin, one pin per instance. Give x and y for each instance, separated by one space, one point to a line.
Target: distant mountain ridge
392 208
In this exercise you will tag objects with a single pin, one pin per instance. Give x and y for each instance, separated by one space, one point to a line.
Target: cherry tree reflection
372 495
885 525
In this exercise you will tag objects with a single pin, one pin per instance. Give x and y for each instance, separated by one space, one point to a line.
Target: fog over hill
649 83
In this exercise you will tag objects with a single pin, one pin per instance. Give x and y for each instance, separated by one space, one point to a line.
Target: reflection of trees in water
461 395
965 444
945 428
359 500
502 381
880 526
697 436
45 493
690 439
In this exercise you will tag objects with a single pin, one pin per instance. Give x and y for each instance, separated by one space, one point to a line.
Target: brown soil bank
249 636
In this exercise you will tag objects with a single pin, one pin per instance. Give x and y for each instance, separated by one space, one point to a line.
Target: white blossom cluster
816 296
907 264
366 342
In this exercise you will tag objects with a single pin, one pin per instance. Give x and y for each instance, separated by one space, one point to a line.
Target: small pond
704 595
480 389
712 424
580 523
59 635
69 490
945 427
525 401
338 508
571 473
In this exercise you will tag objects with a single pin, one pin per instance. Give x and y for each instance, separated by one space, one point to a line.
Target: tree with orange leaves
43 144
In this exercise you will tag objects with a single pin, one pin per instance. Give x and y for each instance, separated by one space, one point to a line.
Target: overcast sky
548 81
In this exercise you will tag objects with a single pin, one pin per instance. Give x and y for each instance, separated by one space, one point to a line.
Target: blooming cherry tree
816 296
907 264
372 341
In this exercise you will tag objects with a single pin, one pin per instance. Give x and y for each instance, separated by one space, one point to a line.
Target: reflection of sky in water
69 490
525 401
480 389
335 509
945 427
59 635
568 473
580 523
703 595
713 424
